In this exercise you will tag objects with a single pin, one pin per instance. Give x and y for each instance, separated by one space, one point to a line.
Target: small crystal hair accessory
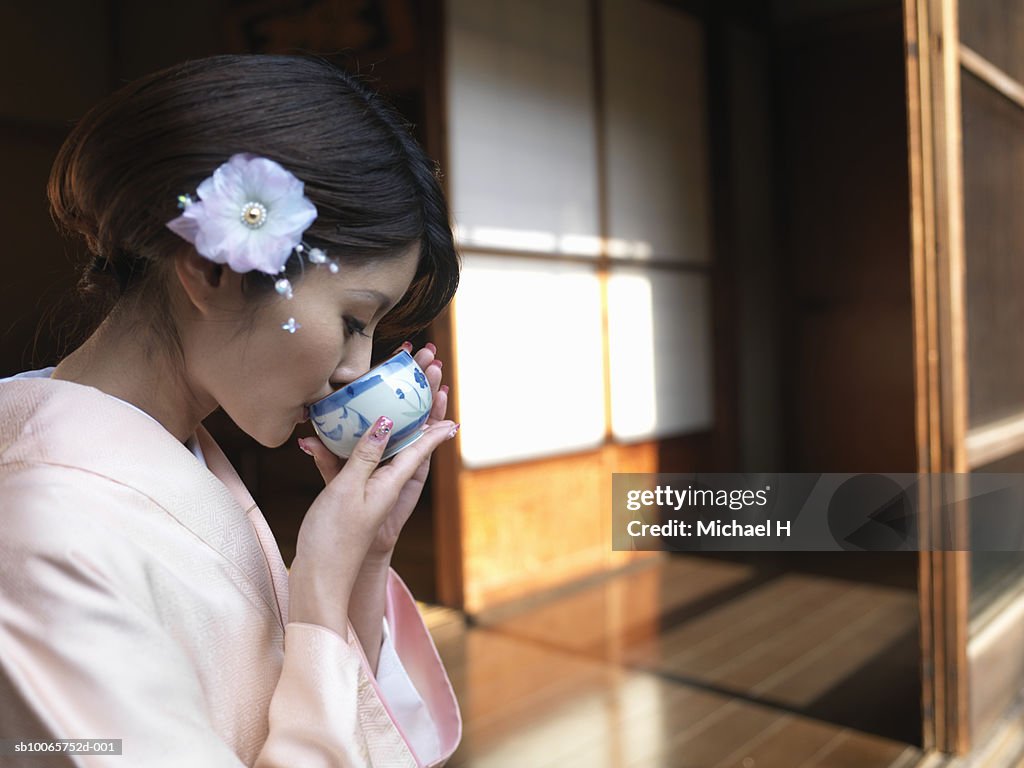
251 215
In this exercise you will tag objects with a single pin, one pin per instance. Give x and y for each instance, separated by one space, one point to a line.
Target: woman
260 219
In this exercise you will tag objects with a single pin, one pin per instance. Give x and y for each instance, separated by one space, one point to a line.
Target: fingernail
302 445
454 431
431 347
382 429
444 388
438 363
407 346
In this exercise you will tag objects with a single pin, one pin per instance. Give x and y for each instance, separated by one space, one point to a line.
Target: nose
354 364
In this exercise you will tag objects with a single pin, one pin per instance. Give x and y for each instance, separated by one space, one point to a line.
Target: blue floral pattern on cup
342 417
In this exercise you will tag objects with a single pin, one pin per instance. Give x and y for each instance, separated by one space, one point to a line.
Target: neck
122 365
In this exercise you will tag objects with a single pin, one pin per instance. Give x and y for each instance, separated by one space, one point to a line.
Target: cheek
279 371
312 357
283 370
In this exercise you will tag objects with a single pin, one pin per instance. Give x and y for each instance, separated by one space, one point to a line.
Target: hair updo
117 177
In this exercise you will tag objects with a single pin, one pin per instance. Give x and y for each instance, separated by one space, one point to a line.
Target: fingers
433 374
432 368
404 465
440 405
328 464
426 359
425 356
366 455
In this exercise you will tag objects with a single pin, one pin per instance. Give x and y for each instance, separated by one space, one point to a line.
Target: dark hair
118 175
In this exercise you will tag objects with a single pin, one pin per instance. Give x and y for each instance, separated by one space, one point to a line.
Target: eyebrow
383 300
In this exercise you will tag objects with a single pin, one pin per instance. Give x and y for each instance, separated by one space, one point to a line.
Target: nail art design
454 431
382 429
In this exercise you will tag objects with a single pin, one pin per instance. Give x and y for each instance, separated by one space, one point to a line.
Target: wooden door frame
967 687
446 464
935 151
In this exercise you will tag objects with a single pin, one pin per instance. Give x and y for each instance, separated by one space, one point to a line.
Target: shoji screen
578 167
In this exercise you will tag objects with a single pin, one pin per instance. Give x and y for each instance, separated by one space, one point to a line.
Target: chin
271 438
284 438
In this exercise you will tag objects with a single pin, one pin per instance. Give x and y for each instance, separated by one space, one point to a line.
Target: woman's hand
346 520
340 570
330 465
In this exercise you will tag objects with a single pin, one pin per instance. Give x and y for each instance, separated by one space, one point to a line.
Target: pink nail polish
454 431
382 429
444 388
407 346
431 347
438 363
302 446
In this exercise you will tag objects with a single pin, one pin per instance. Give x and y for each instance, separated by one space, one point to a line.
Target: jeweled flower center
254 215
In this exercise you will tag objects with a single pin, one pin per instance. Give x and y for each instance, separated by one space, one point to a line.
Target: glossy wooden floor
691 663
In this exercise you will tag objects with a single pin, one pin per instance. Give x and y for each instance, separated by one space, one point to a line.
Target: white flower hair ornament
250 215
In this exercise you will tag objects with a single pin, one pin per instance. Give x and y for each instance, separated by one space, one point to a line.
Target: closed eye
355 327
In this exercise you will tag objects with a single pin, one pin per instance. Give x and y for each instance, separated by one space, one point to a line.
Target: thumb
366 455
326 462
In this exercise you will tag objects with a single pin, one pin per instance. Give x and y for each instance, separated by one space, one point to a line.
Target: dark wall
57 60
844 244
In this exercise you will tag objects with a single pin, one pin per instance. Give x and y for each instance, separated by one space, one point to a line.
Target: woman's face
264 377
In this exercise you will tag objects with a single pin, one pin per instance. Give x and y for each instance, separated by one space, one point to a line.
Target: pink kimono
143 598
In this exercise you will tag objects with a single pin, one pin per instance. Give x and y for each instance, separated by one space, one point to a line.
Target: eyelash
353 326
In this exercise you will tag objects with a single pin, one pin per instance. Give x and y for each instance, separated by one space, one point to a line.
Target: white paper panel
656 117
530 365
660 348
521 125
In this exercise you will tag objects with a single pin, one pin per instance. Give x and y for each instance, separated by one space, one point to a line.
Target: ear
206 283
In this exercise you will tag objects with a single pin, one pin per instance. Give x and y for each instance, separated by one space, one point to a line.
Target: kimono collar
60 422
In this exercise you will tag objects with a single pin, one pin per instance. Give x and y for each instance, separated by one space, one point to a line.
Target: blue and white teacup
397 388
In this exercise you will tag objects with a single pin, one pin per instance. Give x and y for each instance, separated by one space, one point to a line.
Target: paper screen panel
656 122
521 125
660 349
528 335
